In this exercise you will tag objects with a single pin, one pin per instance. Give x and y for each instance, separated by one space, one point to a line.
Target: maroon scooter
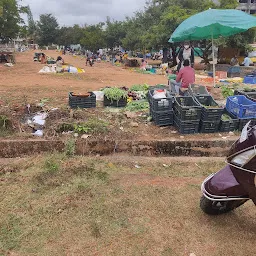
235 184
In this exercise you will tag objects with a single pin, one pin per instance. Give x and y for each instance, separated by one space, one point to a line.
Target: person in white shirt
247 61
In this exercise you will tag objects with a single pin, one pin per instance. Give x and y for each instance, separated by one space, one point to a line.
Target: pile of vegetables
248 89
138 105
139 87
226 117
137 95
115 93
227 91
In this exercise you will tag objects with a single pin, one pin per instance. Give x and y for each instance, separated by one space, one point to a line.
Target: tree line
145 30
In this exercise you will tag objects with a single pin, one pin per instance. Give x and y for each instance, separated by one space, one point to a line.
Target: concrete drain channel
207 148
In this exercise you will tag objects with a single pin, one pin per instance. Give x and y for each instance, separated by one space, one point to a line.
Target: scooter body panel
223 186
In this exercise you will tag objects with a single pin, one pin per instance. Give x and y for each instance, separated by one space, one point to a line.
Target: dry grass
54 205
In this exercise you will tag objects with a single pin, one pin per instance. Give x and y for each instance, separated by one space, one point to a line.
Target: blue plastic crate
241 107
250 79
234 70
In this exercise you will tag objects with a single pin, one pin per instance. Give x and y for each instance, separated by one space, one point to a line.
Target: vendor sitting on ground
43 59
247 61
234 61
59 64
143 65
186 76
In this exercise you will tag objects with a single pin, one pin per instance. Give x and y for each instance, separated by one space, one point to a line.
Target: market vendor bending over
59 64
186 76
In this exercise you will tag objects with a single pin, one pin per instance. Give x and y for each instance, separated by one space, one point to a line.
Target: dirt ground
23 82
115 205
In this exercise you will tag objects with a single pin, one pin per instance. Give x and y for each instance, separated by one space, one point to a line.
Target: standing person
186 53
88 57
186 76
247 61
234 61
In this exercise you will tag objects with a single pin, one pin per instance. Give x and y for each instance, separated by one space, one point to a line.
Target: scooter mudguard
224 184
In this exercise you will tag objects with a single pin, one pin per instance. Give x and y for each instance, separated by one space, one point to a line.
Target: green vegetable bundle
139 87
137 105
115 93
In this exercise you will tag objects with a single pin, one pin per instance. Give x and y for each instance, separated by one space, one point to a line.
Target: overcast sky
69 12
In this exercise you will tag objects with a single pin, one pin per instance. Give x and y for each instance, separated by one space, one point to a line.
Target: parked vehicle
235 184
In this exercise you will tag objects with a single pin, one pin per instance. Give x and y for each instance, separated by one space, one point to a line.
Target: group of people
186 72
246 63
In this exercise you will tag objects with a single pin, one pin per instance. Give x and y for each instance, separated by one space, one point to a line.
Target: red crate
221 74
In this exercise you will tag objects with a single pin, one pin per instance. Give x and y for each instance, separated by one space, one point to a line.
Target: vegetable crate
195 89
241 107
244 121
186 108
115 103
186 127
209 126
162 118
228 122
250 79
211 111
82 102
250 94
162 104
234 72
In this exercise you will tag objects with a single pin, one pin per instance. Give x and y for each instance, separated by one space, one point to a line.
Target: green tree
31 23
115 33
228 4
9 20
47 29
93 37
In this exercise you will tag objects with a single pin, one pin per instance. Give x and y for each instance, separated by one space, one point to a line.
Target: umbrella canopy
213 24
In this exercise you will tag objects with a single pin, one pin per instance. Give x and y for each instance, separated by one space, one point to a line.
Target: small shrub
70 147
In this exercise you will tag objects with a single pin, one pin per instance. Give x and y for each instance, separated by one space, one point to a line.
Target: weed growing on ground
70 147
92 126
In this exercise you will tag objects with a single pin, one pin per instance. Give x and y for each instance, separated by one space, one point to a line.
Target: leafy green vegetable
226 117
139 87
248 89
115 93
227 91
210 106
138 105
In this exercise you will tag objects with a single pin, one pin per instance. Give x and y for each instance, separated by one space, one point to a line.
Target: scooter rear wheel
219 207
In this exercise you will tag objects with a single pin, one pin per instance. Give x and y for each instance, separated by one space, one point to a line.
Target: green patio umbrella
212 24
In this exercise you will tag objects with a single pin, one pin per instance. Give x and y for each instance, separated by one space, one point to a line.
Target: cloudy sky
69 12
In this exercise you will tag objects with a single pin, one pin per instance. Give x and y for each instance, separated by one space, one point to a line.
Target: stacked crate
228 125
211 114
243 109
161 110
187 113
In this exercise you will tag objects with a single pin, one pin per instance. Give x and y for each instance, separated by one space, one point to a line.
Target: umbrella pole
213 64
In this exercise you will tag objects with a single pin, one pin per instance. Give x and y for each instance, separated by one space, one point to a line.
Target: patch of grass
5 126
98 208
10 233
92 126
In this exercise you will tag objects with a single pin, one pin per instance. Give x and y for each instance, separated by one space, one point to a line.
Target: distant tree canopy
9 20
145 30
47 29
